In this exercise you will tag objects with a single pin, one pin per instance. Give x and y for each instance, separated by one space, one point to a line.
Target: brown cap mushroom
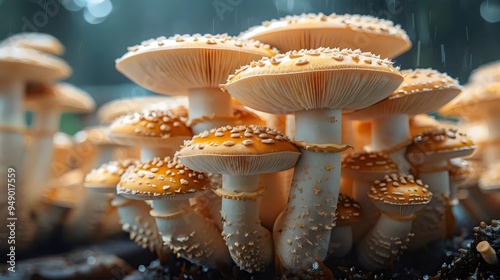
309 31
106 177
367 166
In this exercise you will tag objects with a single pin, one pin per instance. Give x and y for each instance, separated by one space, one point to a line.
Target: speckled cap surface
371 165
106 177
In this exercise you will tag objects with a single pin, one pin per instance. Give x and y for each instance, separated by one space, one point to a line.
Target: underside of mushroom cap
309 31
62 96
322 78
239 150
439 144
423 91
171 66
38 41
164 179
31 65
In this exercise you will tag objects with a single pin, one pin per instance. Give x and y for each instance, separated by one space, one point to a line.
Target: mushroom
421 123
311 31
159 133
487 252
423 91
134 214
489 182
240 154
314 85
19 67
170 185
364 168
62 157
37 41
458 172
48 103
398 197
429 154
196 64
348 214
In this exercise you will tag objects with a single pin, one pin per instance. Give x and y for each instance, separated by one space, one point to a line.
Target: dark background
452 36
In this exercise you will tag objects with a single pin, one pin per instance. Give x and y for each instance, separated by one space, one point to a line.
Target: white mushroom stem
492 150
341 241
430 223
189 234
487 252
135 219
249 243
360 189
206 102
385 242
302 232
388 132
39 155
149 153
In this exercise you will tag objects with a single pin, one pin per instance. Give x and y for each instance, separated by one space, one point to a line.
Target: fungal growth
423 91
170 185
41 42
315 85
349 215
310 31
398 197
429 154
240 154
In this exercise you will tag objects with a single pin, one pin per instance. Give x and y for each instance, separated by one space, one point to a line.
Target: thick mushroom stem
135 219
432 223
341 241
388 133
206 102
45 124
190 235
385 242
249 243
302 232
487 252
360 189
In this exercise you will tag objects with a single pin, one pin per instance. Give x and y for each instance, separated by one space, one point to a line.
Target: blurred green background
452 36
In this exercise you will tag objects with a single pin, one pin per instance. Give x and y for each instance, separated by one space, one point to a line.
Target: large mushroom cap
486 73
106 177
423 91
438 144
310 31
314 79
162 179
31 65
239 150
62 96
95 135
37 41
171 66
399 195
475 102
116 108
151 128
368 166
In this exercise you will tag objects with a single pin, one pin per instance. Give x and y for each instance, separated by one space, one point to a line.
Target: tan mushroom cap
314 79
439 144
246 117
62 96
38 41
366 165
171 66
65 191
150 128
475 102
460 169
96 135
490 179
423 91
486 73
421 123
399 195
164 178
347 209
309 31
31 65
106 177
239 150
116 108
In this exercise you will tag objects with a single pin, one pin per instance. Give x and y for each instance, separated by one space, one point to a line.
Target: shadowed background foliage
453 36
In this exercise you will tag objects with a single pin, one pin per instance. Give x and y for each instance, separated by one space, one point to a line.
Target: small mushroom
240 154
398 197
429 154
458 173
170 185
348 215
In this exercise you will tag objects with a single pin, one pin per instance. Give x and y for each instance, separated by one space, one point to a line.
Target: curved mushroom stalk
249 243
207 103
188 234
385 242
